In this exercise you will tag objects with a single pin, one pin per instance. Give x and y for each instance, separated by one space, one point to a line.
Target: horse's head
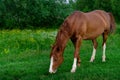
56 58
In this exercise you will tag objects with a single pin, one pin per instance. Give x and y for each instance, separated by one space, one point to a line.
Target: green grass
24 55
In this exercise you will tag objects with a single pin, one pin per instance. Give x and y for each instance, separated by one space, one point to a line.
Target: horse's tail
112 23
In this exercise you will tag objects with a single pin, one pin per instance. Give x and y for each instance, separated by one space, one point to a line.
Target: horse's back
88 25
98 16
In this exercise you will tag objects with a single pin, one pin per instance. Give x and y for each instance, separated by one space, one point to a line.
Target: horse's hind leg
105 35
77 43
95 44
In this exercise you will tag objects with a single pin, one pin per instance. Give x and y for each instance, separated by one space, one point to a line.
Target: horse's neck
61 40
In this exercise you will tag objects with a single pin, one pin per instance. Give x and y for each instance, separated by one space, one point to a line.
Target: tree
107 5
38 13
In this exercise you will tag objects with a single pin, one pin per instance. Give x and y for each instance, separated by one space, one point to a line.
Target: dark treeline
112 6
46 13
32 13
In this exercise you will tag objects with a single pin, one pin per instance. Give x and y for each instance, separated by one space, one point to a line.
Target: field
24 55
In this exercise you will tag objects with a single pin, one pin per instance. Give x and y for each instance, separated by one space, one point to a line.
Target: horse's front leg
77 43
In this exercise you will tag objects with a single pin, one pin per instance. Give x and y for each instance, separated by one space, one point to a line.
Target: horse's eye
58 49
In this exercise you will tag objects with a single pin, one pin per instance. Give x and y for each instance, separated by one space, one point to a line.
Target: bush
107 5
26 13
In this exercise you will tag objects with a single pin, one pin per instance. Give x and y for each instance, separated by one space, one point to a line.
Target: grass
24 55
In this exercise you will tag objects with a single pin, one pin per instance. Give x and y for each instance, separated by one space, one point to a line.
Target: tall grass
17 41
24 55
22 51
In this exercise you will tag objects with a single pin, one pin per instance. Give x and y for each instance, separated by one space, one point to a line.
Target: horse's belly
93 31
89 37
92 35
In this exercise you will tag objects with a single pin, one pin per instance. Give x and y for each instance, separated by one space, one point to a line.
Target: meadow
24 55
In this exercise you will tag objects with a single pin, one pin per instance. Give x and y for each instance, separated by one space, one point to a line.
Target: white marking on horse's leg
51 64
104 48
74 65
93 55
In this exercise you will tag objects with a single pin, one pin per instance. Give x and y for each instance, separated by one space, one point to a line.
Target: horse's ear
51 45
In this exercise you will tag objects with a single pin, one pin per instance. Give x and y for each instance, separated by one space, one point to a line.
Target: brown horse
77 27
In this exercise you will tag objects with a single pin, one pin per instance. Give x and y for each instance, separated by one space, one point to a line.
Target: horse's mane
62 34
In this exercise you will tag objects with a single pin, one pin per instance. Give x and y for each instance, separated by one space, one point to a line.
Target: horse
77 27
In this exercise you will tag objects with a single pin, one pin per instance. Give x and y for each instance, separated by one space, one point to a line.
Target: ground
24 55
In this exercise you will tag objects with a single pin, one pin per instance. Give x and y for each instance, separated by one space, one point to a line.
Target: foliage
20 41
23 14
107 5
28 13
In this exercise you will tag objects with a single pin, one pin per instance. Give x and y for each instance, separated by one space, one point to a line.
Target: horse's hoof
72 71
103 61
91 61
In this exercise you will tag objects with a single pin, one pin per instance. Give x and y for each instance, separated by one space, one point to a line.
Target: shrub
26 13
107 5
